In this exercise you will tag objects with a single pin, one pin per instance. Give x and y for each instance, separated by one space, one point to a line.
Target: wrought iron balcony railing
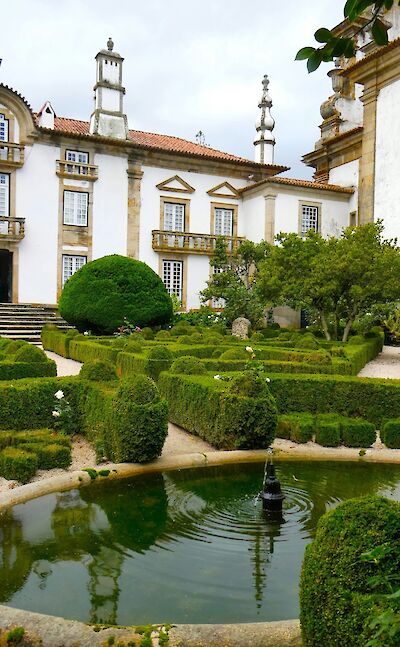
12 229
186 243
77 171
11 155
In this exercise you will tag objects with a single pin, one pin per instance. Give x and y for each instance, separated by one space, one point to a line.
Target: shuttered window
223 222
75 208
3 128
4 195
309 218
77 156
173 277
174 216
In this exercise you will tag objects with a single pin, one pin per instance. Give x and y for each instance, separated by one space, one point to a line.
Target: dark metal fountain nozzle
272 497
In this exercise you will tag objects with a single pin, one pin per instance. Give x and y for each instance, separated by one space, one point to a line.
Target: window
4 195
77 156
217 303
3 128
174 216
70 264
76 208
310 218
173 277
223 222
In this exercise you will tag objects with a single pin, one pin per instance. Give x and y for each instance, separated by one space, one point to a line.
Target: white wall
37 188
387 159
347 175
110 206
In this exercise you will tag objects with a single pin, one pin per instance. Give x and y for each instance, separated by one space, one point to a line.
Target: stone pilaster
135 175
269 224
367 161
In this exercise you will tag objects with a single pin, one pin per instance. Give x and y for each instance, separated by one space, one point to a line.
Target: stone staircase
25 320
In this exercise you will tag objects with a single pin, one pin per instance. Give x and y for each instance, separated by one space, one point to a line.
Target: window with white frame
310 218
217 303
174 216
173 277
70 265
4 195
223 222
77 156
3 128
76 208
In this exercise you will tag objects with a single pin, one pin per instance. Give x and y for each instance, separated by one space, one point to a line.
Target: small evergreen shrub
249 384
132 346
391 434
356 340
196 338
257 337
98 370
317 357
72 332
235 353
307 341
327 432
284 427
188 365
119 342
14 345
180 329
139 389
285 336
159 358
29 354
337 601
337 351
296 427
357 433
18 464
147 333
184 339
50 456
212 340
216 353
162 335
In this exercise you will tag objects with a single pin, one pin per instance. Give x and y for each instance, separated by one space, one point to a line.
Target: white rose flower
55 414
249 349
217 377
267 379
59 395
86 332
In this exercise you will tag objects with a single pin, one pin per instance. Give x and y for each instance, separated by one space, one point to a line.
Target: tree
335 278
235 282
336 46
106 292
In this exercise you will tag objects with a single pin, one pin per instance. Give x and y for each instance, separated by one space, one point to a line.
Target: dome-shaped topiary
249 384
188 365
257 337
235 353
307 342
132 346
13 346
119 342
160 352
162 335
98 370
29 354
147 333
139 389
106 291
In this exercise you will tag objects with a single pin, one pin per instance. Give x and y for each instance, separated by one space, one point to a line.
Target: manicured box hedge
390 433
87 351
206 407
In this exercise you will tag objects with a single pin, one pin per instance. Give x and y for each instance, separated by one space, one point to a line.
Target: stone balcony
12 229
11 155
185 243
77 171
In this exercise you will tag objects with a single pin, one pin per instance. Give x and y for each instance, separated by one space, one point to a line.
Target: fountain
271 495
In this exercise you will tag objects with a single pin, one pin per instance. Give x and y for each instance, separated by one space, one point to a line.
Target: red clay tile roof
306 184
168 143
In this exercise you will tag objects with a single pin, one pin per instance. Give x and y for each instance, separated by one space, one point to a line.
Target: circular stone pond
183 546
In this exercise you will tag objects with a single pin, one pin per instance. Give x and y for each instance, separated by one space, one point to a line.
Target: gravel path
64 366
386 365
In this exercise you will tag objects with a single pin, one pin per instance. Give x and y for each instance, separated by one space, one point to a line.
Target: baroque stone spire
265 140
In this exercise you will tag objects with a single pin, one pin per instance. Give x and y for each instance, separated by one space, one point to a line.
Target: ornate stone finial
110 44
265 125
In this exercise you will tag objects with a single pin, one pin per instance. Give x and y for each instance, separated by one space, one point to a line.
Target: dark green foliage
357 433
106 292
50 456
139 421
18 464
327 432
337 351
206 407
30 353
296 427
10 370
180 329
356 340
307 341
336 599
235 353
162 335
159 358
249 384
188 365
285 336
15 636
98 370
119 342
13 346
257 337
217 353
391 434
87 351
147 333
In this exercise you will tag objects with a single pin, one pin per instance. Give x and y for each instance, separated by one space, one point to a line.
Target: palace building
72 191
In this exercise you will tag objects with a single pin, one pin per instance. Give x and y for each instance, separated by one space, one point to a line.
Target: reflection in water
186 546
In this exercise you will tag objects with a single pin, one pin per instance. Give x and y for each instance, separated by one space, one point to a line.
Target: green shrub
18 464
317 357
336 599
14 345
285 336
162 335
356 340
50 456
133 346
207 407
357 433
6 439
257 337
212 340
184 339
391 434
337 351
249 384
307 341
106 292
4 341
180 329
188 365
327 431
87 351
217 353
29 354
139 421
147 333
119 342
159 358
296 427
196 338
98 370
235 353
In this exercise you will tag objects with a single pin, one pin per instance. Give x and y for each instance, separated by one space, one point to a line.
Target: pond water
187 546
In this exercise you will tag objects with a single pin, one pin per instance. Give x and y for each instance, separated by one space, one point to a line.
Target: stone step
25 321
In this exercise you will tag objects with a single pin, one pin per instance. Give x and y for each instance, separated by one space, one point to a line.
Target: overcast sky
189 65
